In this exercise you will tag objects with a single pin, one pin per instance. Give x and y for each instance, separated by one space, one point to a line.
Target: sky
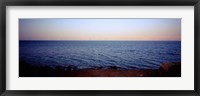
100 29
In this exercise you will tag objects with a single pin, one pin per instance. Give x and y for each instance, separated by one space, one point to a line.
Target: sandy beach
172 69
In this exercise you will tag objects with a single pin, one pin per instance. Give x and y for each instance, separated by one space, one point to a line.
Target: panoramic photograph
100 47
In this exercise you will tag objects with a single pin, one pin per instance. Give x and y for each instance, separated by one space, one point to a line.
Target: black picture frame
4 3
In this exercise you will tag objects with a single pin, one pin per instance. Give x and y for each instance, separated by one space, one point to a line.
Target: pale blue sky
100 29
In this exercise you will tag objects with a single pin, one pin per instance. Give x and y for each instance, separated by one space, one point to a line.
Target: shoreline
171 69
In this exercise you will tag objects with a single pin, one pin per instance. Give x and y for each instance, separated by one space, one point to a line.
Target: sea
100 54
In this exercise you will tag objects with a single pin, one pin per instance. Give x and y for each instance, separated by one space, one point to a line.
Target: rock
170 69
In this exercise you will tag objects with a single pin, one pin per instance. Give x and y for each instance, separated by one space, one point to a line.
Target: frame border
4 3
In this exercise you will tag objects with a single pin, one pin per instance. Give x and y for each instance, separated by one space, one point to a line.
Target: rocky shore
172 69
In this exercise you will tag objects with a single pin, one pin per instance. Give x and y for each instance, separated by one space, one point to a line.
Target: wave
122 55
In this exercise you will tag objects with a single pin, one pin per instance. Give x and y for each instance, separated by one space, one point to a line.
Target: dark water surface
93 54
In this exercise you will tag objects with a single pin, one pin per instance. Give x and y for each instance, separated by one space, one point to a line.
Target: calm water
93 54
